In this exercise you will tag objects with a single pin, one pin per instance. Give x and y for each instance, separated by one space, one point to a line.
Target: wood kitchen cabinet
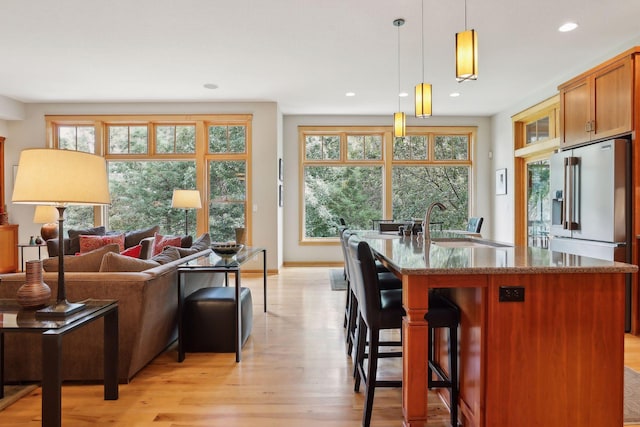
597 104
8 248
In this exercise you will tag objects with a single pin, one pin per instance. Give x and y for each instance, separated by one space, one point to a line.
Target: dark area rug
14 392
631 396
336 276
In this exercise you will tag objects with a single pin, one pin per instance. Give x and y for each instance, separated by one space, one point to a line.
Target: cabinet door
8 248
575 113
612 100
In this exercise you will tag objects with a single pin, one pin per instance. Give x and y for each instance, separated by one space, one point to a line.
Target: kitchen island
541 333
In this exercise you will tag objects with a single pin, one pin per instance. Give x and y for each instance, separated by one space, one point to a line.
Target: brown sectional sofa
147 302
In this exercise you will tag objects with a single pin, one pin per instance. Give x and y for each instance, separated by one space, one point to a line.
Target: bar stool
386 280
444 314
379 309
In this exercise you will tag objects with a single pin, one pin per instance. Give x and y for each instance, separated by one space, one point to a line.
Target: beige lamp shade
45 214
61 178
186 199
466 55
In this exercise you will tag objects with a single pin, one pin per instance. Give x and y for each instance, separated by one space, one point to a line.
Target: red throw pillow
160 241
91 242
133 251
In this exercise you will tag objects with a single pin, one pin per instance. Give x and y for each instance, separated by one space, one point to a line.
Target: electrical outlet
511 294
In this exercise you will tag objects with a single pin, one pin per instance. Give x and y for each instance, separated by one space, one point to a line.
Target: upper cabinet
597 104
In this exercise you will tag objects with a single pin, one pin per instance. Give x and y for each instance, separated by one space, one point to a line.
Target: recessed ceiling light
454 94
567 26
403 94
350 94
210 86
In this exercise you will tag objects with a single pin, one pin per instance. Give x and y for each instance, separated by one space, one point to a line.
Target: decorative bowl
226 248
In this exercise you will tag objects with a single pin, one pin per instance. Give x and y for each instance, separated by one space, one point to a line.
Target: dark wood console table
15 320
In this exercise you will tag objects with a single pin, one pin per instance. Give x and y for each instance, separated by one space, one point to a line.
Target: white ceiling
303 54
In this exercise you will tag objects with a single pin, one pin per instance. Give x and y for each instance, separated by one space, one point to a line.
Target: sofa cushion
160 241
202 243
133 251
89 243
132 238
169 254
118 262
89 261
74 237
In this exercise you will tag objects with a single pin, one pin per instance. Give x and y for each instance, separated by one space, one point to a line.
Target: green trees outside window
228 197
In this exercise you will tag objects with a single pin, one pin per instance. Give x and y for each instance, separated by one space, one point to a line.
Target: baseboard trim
313 264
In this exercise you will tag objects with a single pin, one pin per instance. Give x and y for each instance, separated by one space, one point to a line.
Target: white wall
294 252
30 133
10 109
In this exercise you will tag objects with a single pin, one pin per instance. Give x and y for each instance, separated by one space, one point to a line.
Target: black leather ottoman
209 319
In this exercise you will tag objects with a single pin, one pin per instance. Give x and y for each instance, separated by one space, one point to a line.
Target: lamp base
49 231
59 310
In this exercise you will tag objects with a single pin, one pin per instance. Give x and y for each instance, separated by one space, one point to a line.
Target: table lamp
60 178
47 216
187 199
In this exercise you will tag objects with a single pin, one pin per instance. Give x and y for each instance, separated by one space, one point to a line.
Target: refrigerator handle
567 194
571 193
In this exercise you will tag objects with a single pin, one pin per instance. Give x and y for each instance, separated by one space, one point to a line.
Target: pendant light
423 90
399 119
466 52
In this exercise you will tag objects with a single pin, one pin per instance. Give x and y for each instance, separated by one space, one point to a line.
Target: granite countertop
452 253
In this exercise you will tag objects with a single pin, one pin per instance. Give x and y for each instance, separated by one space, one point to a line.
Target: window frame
201 156
387 162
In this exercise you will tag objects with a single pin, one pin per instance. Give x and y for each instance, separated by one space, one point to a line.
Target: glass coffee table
13 319
221 264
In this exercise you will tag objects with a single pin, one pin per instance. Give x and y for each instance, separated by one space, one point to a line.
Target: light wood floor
294 372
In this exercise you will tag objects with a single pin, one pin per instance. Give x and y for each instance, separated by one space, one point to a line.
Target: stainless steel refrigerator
590 202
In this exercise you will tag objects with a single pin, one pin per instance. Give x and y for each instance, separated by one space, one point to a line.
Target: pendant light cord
465 15
398 95
422 40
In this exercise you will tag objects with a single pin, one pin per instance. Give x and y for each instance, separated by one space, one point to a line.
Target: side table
26 245
226 265
13 319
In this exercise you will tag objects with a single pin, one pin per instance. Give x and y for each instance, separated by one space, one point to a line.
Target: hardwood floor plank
294 372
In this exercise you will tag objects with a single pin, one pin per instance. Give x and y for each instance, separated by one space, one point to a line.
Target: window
536 131
228 198
150 156
141 194
415 187
175 139
538 203
128 139
361 174
77 138
227 139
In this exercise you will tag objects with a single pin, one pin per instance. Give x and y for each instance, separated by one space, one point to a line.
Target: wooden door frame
526 153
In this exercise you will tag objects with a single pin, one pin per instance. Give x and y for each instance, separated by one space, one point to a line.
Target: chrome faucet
427 221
